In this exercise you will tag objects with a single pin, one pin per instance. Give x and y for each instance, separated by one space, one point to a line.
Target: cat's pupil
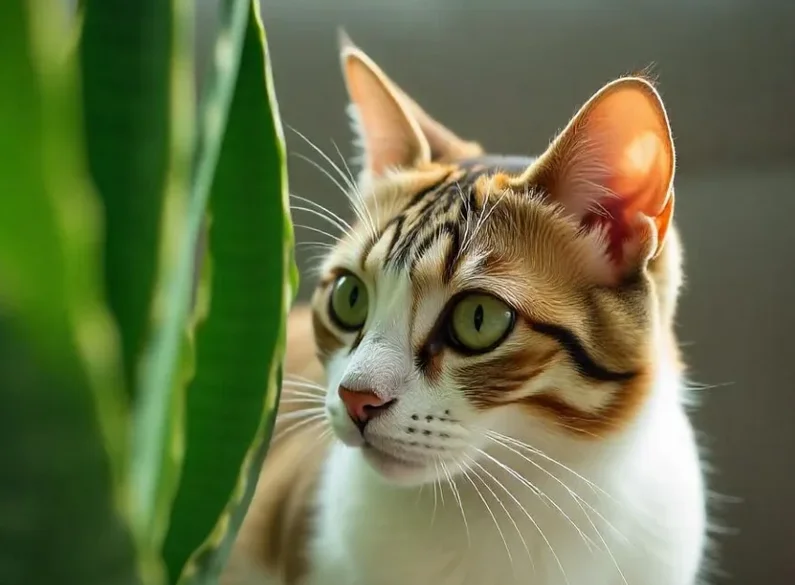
354 296
479 317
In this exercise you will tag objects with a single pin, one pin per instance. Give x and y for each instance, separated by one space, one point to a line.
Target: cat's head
478 294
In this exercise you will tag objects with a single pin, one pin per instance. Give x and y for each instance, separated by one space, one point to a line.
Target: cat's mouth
389 464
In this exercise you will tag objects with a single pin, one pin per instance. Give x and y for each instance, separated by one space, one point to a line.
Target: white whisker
318 231
326 157
323 209
526 513
358 194
507 513
300 378
351 193
579 501
298 391
346 230
304 400
302 413
310 245
491 513
317 419
543 455
301 382
524 481
435 490
457 498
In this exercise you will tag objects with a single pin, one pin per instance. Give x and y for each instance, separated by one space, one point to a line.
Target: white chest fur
643 524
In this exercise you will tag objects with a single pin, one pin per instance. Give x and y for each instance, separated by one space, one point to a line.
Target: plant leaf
62 410
165 364
126 57
231 403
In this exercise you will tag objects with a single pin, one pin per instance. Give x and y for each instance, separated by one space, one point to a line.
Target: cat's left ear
394 130
612 167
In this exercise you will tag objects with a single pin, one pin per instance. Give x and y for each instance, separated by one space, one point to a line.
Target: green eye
348 302
480 322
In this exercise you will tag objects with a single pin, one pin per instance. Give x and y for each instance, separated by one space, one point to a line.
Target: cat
487 387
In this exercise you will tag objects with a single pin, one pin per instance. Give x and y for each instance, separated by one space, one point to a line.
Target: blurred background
510 73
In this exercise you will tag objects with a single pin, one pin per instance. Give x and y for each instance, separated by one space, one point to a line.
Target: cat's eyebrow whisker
326 157
484 215
526 513
310 245
483 219
351 192
322 169
358 194
524 481
491 513
340 221
316 269
355 203
457 498
467 211
333 238
468 241
332 218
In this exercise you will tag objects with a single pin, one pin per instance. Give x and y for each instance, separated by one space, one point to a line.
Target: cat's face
476 293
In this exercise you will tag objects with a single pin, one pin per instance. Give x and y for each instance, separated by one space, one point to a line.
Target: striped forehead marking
441 211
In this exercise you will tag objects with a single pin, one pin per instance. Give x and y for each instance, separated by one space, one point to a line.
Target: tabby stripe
448 228
574 347
368 247
453 258
399 221
435 208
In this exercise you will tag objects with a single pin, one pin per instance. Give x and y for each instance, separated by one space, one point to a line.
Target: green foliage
125 71
134 421
244 325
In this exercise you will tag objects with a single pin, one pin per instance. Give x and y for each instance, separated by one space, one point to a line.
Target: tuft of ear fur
393 130
612 168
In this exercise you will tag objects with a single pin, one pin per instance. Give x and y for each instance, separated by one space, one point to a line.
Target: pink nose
362 405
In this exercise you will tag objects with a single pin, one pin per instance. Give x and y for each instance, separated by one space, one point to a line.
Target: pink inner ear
637 186
390 135
615 162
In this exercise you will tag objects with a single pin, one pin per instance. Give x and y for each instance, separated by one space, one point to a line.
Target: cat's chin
394 469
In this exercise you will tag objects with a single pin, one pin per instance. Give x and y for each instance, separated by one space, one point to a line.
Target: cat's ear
612 167
393 129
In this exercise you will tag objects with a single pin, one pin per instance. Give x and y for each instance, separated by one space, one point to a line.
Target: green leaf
231 402
126 57
62 410
165 364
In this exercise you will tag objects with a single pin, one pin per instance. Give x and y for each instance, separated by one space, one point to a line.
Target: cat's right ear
395 132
